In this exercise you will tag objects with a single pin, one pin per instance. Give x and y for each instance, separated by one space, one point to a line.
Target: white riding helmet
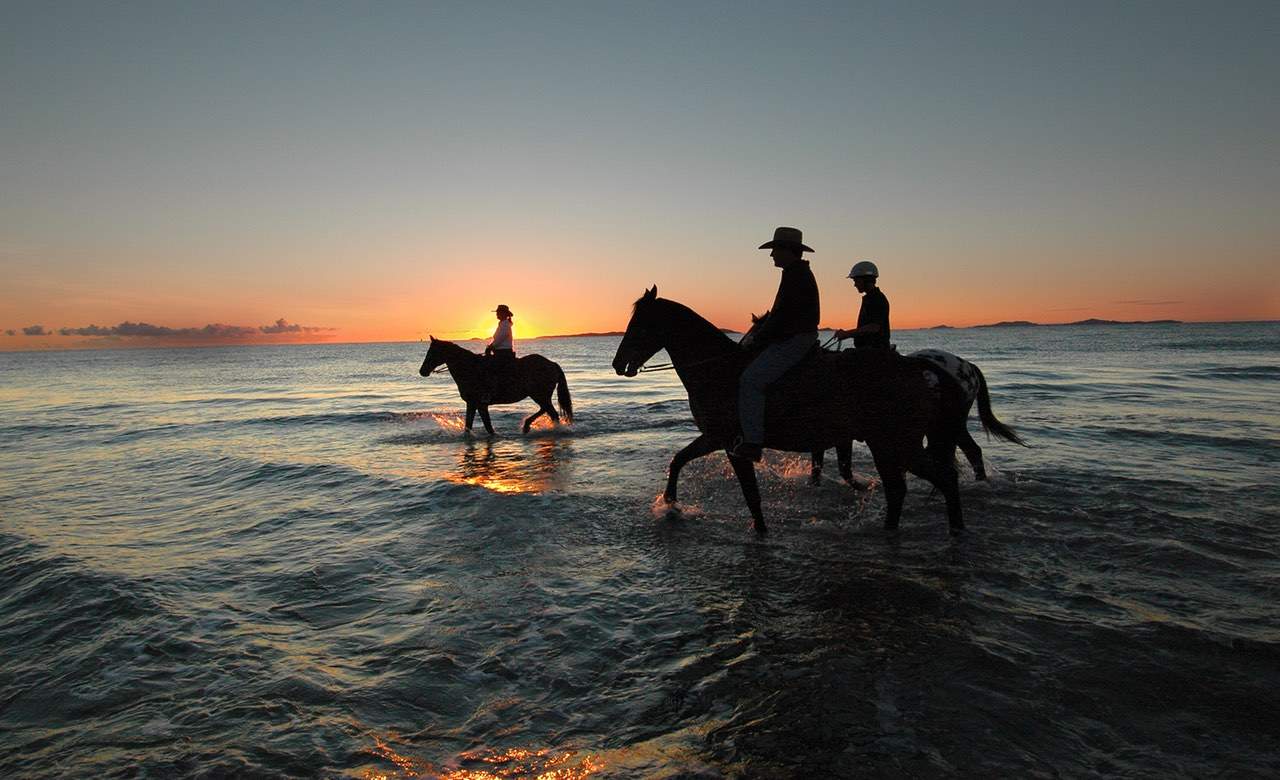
864 268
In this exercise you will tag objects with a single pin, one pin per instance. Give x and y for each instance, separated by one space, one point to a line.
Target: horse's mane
681 314
458 347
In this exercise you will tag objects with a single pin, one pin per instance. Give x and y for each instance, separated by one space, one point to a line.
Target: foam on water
293 561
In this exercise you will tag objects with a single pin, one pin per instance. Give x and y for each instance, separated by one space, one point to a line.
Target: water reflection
490 764
521 466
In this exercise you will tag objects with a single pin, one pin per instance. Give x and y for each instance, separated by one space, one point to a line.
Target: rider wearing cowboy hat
873 318
788 332
501 352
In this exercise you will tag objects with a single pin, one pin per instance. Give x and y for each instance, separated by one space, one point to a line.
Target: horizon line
604 334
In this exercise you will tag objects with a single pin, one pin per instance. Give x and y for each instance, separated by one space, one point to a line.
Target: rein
671 366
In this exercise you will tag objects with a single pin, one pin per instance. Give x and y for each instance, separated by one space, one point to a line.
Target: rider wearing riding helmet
873 318
788 333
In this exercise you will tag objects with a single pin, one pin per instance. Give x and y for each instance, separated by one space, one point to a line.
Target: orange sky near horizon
411 301
390 173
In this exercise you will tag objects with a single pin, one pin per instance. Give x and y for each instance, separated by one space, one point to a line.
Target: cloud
1146 302
212 332
36 330
11 332
284 326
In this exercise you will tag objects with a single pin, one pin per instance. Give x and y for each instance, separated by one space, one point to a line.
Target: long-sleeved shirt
502 336
795 308
875 309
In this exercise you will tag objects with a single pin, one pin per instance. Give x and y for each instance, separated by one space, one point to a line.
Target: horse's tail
562 395
989 422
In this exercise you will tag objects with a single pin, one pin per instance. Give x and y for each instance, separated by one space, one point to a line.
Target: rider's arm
865 330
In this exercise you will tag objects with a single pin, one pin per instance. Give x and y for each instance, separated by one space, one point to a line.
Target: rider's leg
767 368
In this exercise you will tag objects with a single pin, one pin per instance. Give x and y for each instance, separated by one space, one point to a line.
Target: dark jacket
875 308
795 308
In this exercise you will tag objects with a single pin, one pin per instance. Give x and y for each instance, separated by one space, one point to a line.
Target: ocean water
290 561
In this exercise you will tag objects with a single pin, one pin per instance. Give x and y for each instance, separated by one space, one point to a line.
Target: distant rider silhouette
500 354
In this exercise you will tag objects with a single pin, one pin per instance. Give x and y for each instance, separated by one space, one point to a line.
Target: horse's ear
433 338
651 293
754 318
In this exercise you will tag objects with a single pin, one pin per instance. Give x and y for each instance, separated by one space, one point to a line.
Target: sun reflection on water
454 422
507 467
490 764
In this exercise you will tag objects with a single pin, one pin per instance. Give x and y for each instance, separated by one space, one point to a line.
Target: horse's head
435 357
756 321
647 333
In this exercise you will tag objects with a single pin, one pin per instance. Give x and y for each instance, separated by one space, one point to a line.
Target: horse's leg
700 446
484 418
895 487
844 459
528 421
938 465
746 471
471 415
547 407
973 453
815 468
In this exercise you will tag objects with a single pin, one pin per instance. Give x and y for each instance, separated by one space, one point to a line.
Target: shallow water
291 561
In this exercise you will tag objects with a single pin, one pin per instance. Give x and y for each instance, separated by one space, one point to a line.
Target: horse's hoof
815 479
759 527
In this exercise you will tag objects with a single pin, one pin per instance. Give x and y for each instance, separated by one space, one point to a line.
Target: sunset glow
399 178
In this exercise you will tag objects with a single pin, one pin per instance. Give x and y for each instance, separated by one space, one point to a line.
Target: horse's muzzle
625 367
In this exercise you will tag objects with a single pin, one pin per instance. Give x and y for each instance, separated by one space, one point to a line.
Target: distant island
1001 324
1090 321
605 333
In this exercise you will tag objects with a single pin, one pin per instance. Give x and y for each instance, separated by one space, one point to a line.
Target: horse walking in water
966 385
882 399
532 376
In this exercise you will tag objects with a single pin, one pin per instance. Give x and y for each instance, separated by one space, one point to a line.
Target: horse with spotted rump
957 383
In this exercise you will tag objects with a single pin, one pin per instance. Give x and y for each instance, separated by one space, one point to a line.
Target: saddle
823 374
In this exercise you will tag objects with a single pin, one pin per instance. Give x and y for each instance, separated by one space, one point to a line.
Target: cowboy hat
786 236
502 309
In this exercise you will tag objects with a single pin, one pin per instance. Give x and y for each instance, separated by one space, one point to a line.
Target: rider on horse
500 353
873 318
788 332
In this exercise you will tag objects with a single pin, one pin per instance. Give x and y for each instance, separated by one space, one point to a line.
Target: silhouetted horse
532 376
958 385
829 399
966 384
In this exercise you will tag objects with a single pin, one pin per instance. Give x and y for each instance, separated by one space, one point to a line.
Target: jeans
768 367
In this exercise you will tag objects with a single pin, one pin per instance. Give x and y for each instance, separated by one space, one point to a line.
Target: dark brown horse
532 376
829 399
957 384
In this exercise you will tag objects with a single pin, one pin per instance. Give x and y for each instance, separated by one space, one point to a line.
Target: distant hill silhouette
1001 324
605 333
1090 321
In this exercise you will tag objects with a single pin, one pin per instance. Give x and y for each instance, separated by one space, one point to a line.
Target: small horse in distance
882 399
532 376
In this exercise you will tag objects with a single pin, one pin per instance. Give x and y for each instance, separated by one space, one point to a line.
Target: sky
178 172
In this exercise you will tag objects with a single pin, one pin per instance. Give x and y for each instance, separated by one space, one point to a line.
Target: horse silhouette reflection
512 467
